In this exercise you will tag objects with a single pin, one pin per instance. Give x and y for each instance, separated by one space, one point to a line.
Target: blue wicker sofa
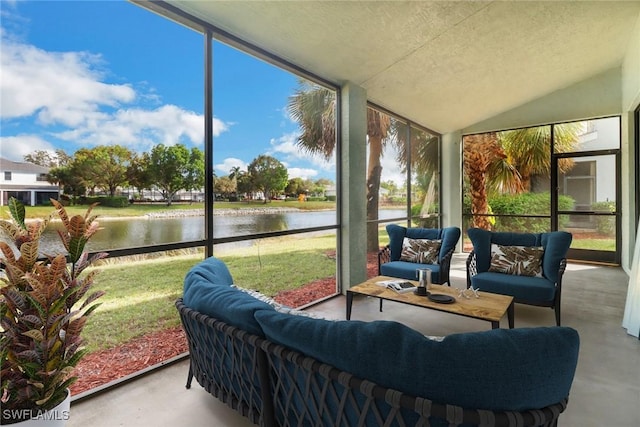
279 367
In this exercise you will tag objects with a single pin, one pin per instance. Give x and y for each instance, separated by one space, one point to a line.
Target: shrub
605 224
518 205
112 202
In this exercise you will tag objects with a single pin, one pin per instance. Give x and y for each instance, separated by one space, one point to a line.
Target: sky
78 74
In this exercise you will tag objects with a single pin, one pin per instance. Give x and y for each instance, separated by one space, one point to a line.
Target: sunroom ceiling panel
445 65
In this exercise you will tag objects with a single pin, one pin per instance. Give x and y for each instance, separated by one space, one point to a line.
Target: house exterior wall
26 182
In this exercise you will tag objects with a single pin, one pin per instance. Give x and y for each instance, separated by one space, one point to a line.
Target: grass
594 244
140 295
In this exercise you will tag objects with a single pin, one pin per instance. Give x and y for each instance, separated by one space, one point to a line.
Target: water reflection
143 231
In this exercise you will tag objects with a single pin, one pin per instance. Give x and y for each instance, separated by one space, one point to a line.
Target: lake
144 231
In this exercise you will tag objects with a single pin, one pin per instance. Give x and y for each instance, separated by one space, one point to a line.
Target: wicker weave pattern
275 386
309 393
225 361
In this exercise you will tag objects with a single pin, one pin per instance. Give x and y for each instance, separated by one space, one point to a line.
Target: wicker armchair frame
273 385
472 270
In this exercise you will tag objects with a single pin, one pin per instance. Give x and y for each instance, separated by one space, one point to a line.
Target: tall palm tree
234 173
485 164
314 108
528 149
506 161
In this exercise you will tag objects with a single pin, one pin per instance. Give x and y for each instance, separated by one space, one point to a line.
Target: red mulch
103 366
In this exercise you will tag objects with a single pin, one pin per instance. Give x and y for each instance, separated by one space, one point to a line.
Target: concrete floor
605 392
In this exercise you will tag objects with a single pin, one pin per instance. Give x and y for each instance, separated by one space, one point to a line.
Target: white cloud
287 145
229 163
58 87
391 169
141 128
16 147
64 93
302 173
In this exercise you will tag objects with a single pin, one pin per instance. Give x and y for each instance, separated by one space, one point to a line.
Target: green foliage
112 202
268 175
509 210
45 304
605 225
431 221
171 170
104 166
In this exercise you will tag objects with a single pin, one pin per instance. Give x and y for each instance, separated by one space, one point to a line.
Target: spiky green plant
44 305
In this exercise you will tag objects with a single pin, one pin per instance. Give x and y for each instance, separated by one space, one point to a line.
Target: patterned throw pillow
517 260
422 251
276 305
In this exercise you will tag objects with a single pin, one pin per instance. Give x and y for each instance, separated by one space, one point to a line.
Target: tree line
169 169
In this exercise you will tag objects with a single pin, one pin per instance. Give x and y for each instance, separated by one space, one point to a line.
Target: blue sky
80 74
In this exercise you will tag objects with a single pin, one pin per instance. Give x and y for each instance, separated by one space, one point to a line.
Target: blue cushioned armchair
389 263
544 291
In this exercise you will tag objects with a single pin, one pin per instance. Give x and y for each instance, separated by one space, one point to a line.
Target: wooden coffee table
489 307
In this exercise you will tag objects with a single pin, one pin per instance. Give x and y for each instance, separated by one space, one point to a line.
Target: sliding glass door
589 176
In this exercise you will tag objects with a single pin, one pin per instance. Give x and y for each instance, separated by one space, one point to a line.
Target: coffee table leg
495 325
510 316
349 303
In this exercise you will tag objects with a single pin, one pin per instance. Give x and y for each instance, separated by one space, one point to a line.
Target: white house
26 182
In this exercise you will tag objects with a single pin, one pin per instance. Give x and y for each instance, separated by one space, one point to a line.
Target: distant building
26 182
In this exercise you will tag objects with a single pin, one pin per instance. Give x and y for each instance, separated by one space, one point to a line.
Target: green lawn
594 244
140 295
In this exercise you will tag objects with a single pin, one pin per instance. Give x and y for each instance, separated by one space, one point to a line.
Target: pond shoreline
220 212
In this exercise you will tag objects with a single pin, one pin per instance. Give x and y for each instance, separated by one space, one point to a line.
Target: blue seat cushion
407 270
207 289
513 369
534 289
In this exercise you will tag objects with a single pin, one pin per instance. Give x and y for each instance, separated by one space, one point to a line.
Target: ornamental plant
44 305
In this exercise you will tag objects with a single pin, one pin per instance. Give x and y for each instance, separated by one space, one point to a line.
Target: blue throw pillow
500 369
207 289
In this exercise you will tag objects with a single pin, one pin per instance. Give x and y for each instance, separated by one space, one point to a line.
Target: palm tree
485 164
528 149
314 108
505 162
235 172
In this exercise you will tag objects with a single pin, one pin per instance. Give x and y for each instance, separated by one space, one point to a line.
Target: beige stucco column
452 181
352 196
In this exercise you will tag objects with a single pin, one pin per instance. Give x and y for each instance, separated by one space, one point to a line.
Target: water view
145 231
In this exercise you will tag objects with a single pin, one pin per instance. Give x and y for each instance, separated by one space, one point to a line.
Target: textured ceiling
445 65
